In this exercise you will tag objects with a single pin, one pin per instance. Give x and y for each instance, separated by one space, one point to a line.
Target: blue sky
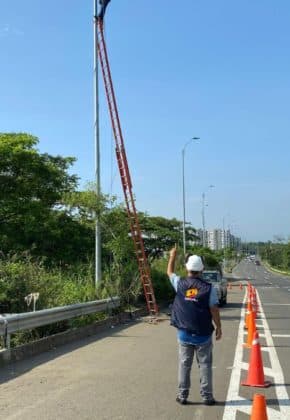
214 69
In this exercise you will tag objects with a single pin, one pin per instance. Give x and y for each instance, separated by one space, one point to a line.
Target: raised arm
171 261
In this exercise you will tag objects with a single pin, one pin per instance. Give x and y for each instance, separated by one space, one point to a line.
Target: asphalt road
130 372
274 293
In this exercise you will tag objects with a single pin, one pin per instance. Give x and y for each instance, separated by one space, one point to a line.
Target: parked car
219 283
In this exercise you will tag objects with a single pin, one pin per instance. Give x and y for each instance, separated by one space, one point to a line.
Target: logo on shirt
190 294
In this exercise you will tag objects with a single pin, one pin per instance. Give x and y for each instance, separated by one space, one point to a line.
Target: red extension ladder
125 173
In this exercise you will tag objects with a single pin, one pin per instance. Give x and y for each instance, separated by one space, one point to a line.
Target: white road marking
233 391
281 335
235 403
277 372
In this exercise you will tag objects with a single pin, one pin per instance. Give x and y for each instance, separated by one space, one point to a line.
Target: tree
212 259
162 233
32 185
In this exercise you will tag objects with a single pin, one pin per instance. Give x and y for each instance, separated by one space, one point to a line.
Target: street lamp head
189 141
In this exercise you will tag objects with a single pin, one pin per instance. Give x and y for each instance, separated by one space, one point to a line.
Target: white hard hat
194 263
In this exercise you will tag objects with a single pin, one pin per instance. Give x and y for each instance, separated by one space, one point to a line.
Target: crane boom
136 234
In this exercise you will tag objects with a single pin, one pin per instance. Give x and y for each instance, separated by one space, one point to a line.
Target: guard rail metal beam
10 324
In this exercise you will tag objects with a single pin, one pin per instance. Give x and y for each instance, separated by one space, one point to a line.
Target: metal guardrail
10 324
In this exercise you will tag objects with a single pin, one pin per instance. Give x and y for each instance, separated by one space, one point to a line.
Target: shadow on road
15 369
218 403
270 402
225 311
281 385
232 305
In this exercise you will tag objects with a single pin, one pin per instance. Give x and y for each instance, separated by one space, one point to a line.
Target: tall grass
56 287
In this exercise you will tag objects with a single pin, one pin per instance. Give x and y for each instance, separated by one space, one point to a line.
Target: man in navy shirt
195 307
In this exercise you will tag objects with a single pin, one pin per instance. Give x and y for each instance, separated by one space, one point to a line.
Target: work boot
182 401
210 401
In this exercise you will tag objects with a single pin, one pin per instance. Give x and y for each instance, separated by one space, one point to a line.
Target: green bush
161 284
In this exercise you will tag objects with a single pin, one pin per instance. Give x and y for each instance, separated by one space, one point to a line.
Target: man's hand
215 313
218 333
173 251
171 262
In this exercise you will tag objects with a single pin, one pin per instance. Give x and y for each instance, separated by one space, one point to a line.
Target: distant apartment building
217 239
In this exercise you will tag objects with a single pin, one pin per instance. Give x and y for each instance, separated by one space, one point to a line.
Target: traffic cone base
266 384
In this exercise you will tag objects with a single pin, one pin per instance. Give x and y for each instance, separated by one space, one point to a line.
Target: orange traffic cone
249 296
254 301
254 309
248 311
256 371
251 330
259 409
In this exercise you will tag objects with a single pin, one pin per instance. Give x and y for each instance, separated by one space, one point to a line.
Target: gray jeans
204 361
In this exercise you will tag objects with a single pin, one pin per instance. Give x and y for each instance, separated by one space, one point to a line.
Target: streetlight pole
203 215
183 192
98 269
203 219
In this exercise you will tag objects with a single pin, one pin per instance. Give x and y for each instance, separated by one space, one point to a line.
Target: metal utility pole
203 219
183 193
203 215
98 268
183 203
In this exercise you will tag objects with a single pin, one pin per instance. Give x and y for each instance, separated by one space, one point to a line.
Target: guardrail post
109 310
6 337
7 341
